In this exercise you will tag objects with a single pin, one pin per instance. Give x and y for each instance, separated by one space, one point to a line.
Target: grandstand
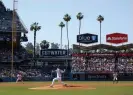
98 61
20 54
109 59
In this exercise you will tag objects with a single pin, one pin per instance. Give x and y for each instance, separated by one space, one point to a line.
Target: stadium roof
6 16
104 46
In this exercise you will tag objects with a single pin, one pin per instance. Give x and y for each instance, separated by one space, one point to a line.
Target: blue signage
87 38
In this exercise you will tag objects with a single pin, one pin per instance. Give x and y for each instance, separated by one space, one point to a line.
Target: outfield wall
77 77
101 76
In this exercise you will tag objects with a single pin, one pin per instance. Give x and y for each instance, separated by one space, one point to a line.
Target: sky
118 17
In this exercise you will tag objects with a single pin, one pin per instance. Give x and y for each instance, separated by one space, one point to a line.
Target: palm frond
100 18
67 17
35 27
80 16
62 24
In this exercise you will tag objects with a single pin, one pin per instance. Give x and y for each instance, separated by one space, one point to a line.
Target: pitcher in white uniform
59 77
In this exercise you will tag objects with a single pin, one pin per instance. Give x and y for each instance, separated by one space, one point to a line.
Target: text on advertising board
87 38
54 52
116 38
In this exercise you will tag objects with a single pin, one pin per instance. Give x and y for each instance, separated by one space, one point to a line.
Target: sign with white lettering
116 38
53 52
87 38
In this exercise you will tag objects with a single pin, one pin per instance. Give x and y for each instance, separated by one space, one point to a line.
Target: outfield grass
102 88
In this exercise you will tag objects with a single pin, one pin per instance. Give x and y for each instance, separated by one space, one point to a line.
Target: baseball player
59 77
19 77
115 77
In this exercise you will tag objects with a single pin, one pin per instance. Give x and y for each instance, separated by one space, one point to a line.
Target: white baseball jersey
115 74
59 72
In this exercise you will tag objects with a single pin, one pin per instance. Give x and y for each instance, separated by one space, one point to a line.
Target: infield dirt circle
63 87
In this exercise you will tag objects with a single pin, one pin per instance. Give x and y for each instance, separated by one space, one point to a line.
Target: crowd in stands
29 72
105 64
19 55
6 72
6 20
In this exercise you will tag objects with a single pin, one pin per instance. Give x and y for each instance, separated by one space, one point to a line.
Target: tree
71 50
100 19
37 48
65 46
34 27
29 46
61 25
79 17
55 46
44 44
67 18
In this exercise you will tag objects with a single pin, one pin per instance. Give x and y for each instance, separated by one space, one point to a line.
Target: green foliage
67 17
55 46
35 27
62 24
80 16
100 18
37 48
44 44
30 51
29 46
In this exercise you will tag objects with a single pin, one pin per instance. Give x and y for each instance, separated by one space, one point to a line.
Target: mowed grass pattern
102 88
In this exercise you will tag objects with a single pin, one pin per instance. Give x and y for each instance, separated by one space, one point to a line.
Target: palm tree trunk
67 37
61 38
34 55
79 33
100 37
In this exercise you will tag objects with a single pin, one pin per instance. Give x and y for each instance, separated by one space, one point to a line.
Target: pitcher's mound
63 87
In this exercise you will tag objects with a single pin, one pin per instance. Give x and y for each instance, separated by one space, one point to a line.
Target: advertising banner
87 38
53 52
117 38
105 76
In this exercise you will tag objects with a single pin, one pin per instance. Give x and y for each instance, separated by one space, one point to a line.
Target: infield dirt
83 86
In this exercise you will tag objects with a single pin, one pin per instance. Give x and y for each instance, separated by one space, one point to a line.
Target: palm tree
67 18
100 19
61 25
79 17
34 27
44 44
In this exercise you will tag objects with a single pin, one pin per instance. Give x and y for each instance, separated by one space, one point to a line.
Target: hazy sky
118 16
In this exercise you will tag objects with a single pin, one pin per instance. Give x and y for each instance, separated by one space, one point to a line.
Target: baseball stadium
89 67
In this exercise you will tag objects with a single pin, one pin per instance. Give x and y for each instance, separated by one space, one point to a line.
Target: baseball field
75 88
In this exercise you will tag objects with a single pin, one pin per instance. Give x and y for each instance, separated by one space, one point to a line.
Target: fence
78 77
101 77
